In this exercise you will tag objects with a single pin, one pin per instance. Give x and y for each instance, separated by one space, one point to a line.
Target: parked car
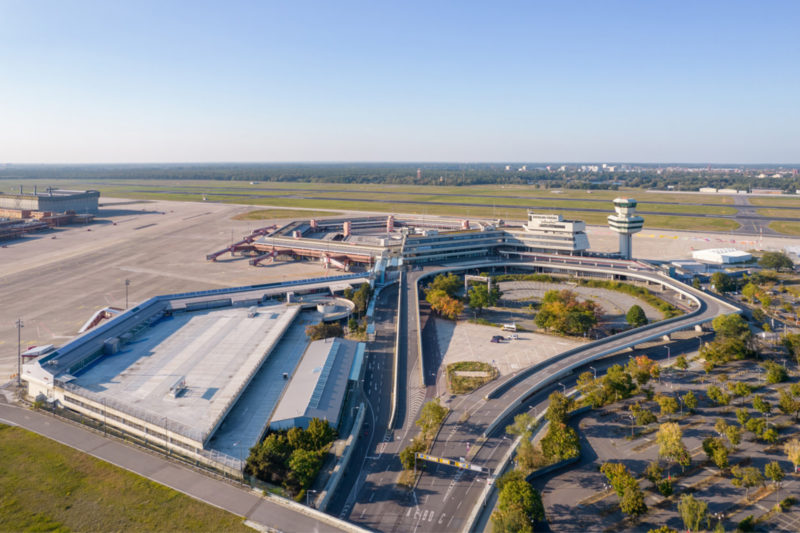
513 337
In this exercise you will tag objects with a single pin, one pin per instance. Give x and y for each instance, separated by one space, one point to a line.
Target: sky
557 81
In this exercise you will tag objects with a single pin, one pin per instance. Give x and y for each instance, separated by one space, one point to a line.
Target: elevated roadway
445 497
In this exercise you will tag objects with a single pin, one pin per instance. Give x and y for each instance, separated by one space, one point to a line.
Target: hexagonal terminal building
626 223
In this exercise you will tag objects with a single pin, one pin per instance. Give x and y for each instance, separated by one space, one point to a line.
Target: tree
558 408
774 472
734 435
721 426
633 503
788 403
742 390
449 283
731 327
480 297
742 415
298 439
759 315
529 457
693 512
267 461
751 291
776 261
761 405
592 389
619 477
520 494
670 443
521 426
409 453
720 457
642 368
560 443
747 477
668 404
324 330
690 400
722 283
765 299
696 283
433 413
716 394
663 529
757 426
653 473
770 435
352 324
636 316
681 362
362 296
443 304
618 383
775 373
792 451
645 417
562 312
320 433
303 467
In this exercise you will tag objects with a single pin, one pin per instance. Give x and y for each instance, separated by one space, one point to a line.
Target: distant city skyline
622 82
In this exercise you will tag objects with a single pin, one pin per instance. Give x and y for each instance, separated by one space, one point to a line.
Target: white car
514 337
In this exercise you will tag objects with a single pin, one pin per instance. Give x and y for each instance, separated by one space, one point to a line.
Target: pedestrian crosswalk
416 393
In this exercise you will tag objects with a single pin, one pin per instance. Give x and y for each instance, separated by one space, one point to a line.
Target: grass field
783 213
787 228
363 198
272 214
777 201
46 486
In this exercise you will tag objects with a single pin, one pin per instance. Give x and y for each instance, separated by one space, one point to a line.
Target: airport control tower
626 223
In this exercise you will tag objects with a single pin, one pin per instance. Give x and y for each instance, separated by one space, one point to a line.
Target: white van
509 327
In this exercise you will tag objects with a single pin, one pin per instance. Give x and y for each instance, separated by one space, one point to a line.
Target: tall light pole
565 388
307 493
594 370
19 325
127 283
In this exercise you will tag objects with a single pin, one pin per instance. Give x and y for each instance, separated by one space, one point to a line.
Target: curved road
444 496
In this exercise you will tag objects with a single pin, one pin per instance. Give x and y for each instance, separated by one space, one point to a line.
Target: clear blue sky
592 81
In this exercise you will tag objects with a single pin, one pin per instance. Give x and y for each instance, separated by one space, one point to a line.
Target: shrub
747 524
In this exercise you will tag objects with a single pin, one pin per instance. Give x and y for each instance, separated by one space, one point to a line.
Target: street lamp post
594 370
564 387
668 354
19 325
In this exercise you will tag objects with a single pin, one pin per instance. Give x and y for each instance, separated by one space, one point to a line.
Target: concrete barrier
396 359
341 525
555 466
419 333
338 471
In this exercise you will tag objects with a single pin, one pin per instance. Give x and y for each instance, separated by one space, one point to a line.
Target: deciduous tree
694 512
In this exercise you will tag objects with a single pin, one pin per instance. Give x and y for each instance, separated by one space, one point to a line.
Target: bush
665 488
324 331
748 524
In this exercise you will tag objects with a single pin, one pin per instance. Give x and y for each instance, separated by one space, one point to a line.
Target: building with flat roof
722 256
52 200
543 233
319 386
171 370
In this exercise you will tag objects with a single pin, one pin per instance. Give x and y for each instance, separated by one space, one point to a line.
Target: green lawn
363 200
787 228
271 214
46 486
778 201
782 213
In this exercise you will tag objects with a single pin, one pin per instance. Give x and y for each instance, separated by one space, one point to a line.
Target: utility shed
319 386
722 256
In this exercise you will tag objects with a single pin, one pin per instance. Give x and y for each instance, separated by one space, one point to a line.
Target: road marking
451 518
373 495
442 518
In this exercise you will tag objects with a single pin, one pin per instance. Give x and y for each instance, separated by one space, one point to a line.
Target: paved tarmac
219 493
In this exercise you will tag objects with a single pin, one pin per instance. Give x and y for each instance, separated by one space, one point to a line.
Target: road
444 496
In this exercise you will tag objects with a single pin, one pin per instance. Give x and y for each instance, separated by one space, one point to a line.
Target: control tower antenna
626 223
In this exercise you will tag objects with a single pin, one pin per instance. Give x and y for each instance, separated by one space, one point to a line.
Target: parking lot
463 341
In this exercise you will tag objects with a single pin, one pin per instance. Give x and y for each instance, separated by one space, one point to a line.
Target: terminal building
199 373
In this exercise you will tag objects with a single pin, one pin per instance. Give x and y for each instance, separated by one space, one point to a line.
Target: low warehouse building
319 386
722 256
